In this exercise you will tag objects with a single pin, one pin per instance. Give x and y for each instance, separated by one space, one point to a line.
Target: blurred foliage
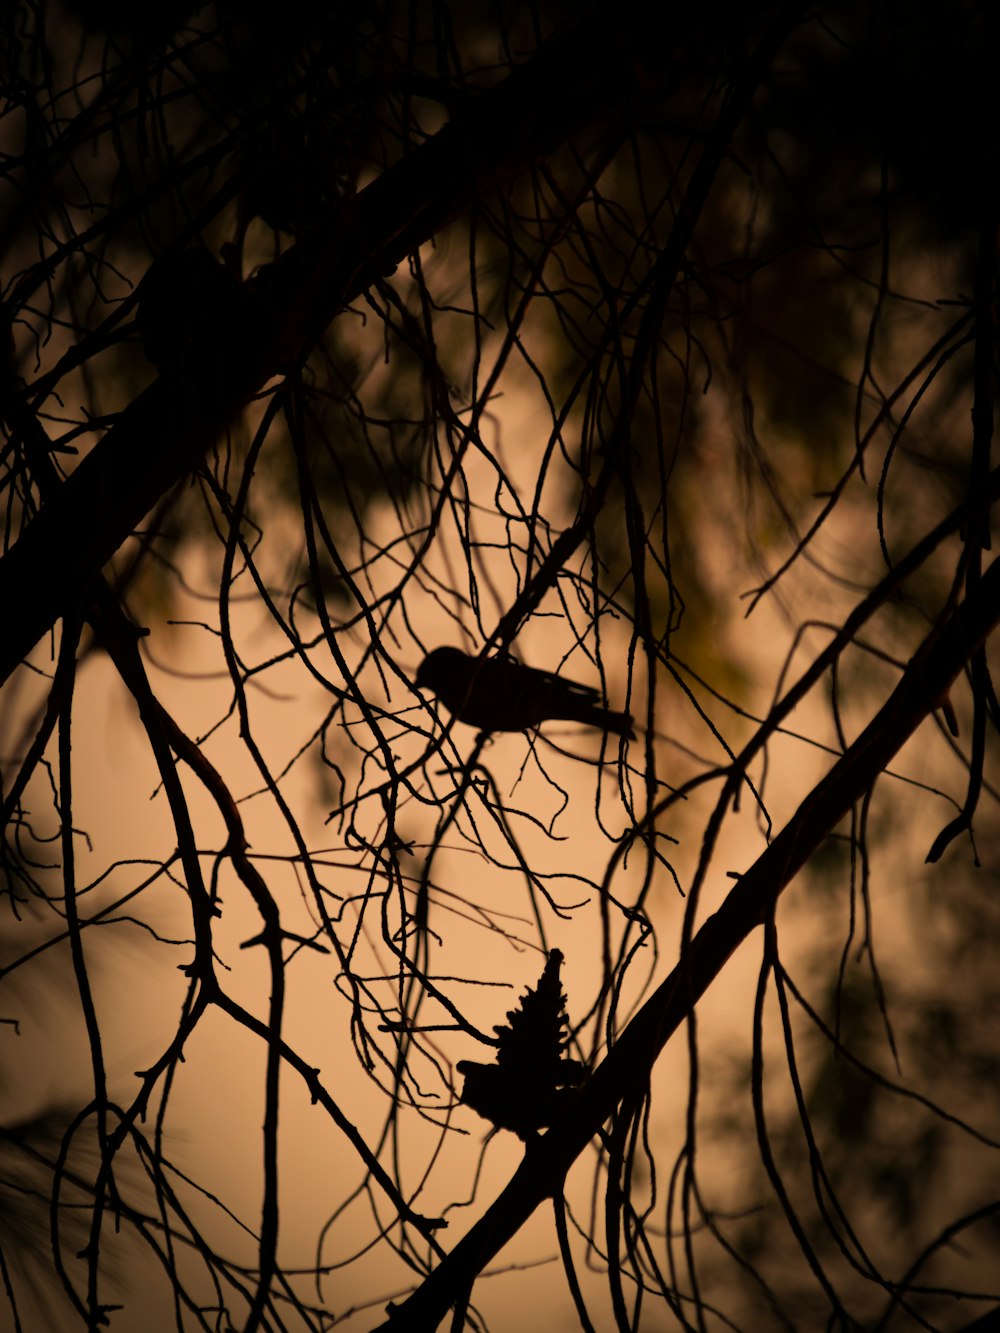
835 252
213 123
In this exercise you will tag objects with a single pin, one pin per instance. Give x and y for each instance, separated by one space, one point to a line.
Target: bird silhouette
195 317
501 694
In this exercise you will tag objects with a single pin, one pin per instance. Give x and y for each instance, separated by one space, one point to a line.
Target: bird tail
618 724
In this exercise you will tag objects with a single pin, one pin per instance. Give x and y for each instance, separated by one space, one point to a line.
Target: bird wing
540 694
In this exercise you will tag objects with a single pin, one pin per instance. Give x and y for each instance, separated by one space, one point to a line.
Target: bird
194 315
502 694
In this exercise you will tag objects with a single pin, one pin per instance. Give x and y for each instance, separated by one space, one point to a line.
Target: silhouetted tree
653 348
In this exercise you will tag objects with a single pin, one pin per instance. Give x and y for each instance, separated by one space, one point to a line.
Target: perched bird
195 316
499 694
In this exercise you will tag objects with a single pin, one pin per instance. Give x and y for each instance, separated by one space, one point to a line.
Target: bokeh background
750 449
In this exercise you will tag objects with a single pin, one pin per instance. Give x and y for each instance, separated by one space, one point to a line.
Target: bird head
439 667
